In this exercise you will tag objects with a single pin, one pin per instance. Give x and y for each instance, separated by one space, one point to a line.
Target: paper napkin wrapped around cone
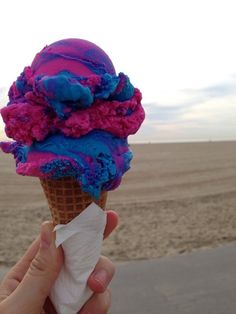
81 240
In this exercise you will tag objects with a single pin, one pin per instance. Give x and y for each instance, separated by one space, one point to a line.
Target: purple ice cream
70 115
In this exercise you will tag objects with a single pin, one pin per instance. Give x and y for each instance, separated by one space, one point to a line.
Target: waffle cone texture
66 199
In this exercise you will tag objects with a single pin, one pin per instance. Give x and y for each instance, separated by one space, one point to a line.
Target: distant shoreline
183 142
3 138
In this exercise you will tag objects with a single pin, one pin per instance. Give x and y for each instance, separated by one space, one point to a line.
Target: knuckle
38 266
3 296
112 269
98 304
108 265
106 301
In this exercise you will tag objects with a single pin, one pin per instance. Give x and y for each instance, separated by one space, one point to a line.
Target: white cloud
195 114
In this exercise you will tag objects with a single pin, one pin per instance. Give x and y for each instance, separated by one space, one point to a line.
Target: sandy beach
176 198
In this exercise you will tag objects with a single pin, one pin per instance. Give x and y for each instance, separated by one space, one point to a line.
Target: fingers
102 275
98 304
37 270
112 222
40 276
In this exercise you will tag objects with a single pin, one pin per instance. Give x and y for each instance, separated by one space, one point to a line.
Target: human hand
26 287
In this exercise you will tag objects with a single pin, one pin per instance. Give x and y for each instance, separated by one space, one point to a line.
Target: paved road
202 282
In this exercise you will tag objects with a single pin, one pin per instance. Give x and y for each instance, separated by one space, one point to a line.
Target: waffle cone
66 199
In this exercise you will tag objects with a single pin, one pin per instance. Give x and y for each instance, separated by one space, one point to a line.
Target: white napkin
81 240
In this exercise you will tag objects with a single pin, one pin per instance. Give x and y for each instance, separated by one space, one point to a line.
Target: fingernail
101 276
46 235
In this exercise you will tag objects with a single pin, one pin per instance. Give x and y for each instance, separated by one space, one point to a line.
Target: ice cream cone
66 199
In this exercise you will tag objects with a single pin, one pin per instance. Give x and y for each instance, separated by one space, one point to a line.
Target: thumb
30 295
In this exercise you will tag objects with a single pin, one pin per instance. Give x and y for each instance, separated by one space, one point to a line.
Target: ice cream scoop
70 115
96 160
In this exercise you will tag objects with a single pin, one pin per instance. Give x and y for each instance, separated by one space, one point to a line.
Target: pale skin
26 287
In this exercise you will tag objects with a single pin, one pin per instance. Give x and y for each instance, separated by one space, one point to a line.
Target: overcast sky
180 53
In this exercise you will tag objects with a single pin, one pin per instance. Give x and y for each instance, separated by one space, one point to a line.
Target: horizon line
181 141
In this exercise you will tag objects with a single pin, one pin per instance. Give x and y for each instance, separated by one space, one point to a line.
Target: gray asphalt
202 282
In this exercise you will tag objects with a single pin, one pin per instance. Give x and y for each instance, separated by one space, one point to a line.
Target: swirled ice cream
70 115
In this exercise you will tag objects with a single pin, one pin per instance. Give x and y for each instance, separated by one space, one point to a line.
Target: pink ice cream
71 94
